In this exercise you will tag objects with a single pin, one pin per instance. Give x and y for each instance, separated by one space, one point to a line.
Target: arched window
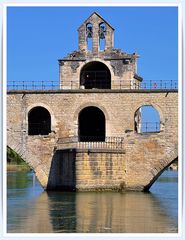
147 120
91 122
95 75
89 35
102 32
39 121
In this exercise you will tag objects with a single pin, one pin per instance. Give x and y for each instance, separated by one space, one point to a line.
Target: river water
32 210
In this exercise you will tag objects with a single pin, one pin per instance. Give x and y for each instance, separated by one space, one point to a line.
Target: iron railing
149 127
73 85
92 138
159 84
33 85
95 79
110 143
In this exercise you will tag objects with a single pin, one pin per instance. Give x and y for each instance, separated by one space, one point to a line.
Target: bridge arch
160 167
15 144
16 156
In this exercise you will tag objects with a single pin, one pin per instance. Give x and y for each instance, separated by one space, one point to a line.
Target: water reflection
107 212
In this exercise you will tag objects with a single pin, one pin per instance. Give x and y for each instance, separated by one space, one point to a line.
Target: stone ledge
78 150
87 91
115 151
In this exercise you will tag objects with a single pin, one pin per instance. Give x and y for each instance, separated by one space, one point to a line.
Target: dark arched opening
91 125
95 75
39 121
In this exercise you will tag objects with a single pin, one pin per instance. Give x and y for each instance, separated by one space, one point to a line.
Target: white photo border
178 235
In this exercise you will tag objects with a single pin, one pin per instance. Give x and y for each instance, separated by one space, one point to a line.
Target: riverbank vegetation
15 162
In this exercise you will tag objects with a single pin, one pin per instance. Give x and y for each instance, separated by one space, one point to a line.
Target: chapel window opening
147 120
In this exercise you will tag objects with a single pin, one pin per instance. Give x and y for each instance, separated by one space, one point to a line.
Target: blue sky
38 36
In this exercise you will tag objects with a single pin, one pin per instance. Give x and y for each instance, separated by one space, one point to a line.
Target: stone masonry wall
122 79
100 171
145 155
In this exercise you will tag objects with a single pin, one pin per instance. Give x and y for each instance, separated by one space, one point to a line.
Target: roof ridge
99 17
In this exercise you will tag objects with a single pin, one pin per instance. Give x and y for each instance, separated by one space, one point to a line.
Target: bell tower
96 64
95 35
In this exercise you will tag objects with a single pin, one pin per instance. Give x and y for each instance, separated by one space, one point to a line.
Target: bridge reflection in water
89 212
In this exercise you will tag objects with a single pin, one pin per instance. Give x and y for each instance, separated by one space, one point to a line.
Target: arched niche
39 121
91 125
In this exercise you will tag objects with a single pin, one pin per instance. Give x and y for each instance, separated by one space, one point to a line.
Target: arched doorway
39 121
91 125
95 75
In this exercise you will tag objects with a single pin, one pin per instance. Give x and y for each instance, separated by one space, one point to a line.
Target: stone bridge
124 159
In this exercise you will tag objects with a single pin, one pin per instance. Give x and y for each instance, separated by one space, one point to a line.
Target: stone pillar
95 49
82 43
109 39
